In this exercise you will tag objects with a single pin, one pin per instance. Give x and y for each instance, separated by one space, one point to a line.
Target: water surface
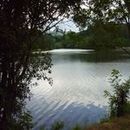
79 80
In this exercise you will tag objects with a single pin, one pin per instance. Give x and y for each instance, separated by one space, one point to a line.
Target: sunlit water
79 80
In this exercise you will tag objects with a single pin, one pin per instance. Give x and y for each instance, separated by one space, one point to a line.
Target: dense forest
98 36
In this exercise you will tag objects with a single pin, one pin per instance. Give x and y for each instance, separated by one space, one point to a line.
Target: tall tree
19 22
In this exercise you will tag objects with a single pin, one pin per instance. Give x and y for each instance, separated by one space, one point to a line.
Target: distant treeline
98 36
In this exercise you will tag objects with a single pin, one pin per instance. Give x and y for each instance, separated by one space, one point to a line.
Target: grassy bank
122 123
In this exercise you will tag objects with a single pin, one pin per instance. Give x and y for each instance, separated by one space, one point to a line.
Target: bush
58 126
119 99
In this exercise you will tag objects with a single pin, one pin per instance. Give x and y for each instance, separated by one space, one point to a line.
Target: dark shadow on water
93 56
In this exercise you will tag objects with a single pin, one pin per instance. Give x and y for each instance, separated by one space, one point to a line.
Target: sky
68 25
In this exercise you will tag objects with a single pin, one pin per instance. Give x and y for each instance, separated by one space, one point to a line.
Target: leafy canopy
117 11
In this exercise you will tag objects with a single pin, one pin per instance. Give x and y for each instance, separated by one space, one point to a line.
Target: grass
122 123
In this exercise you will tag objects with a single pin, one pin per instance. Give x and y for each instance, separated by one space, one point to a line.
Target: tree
20 21
119 98
105 12
117 11
108 35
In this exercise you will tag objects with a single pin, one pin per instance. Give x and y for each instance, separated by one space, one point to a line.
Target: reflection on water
79 80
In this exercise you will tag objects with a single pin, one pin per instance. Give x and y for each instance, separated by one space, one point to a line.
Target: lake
79 80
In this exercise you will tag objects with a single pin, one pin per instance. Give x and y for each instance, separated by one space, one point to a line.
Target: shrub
119 99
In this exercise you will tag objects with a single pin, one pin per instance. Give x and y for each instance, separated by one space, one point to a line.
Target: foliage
58 126
108 18
97 36
20 22
77 127
118 100
104 10
105 13
25 122
108 36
